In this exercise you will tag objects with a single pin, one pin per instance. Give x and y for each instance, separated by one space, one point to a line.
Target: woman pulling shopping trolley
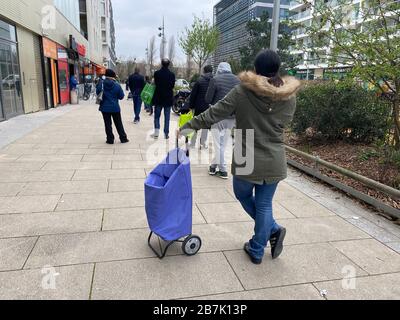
263 104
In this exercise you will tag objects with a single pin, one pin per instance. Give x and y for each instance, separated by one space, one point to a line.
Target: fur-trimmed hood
261 87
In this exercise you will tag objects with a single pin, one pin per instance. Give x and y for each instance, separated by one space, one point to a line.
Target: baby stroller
169 204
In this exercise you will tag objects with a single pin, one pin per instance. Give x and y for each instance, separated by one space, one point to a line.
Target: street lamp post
275 25
163 41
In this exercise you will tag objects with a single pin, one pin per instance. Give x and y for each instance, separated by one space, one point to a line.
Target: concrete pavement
73 226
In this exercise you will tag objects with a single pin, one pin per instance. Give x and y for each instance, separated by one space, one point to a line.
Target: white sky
136 21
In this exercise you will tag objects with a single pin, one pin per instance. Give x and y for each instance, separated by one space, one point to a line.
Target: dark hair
110 73
165 63
267 64
137 70
276 81
208 69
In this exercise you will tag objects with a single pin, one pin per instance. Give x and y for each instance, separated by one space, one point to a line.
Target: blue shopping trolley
169 204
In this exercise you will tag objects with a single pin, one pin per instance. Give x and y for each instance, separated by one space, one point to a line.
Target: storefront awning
100 70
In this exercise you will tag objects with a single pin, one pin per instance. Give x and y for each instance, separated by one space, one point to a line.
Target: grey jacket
220 86
262 114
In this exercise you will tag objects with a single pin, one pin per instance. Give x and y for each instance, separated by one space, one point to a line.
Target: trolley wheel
192 245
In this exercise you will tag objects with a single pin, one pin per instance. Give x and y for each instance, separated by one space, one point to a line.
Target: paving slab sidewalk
73 207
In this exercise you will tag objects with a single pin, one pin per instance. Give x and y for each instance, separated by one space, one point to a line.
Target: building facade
97 25
231 18
41 47
314 65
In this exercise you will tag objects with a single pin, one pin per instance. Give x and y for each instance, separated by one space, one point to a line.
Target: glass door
11 89
19 105
48 83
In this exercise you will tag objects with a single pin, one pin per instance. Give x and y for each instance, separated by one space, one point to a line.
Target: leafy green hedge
343 110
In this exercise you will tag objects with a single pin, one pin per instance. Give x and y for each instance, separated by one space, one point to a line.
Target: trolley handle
186 143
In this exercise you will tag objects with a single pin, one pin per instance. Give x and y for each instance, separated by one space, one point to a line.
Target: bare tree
189 64
125 67
152 53
172 49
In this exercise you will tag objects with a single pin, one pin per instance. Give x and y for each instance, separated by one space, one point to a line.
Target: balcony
297 4
316 62
301 32
295 50
302 15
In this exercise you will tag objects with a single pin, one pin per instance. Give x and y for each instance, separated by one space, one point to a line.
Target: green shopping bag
185 118
147 94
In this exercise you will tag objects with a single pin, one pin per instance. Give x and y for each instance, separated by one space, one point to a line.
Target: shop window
63 79
7 31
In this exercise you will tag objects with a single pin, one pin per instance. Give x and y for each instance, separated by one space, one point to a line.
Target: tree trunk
396 114
200 65
396 118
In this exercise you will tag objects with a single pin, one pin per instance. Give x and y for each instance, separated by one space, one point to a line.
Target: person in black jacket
164 81
136 85
199 104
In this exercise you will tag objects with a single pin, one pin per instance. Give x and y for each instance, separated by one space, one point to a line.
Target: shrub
395 158
340 111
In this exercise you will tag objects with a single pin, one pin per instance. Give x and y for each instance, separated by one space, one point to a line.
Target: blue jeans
137 104
167 116
257 202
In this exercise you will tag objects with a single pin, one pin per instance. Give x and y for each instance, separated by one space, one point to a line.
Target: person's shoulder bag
99 98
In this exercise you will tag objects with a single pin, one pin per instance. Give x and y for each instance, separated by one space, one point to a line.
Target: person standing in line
219 87
264 105
163 99
109 106
73 84
199 104
136 86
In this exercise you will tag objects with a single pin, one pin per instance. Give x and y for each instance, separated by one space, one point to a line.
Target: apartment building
97 24
231 18
314 65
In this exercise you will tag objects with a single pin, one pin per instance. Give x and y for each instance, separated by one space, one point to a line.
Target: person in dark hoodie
136 85
264 104
199 104
109 106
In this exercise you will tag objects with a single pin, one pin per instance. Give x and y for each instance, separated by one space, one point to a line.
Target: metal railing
300 31
302 15
295 3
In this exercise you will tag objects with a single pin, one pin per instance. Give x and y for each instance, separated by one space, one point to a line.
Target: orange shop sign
50 49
